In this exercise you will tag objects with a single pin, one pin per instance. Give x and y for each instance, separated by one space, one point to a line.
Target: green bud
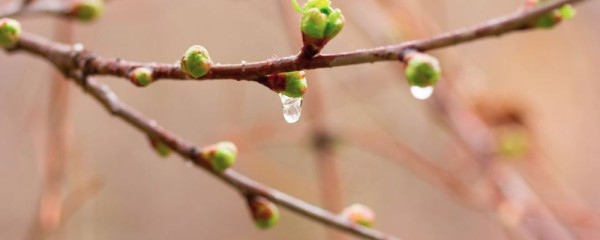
87 10
220 156
10 32
422 70
551 19
313 23
161 148
567 12
322 23
359 214
295 84
335 23
319 24
141 76
291 84
196 62
264 212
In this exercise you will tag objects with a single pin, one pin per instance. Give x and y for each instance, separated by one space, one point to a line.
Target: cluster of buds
10 32
196 62
141 76
422 70
161 148
264 212
552 18
319 24
86 10
220 156
290 84
359 214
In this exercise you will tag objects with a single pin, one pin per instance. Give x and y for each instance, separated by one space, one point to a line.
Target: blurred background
389 151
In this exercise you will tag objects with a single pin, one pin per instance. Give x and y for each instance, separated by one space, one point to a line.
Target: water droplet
421 93
292 108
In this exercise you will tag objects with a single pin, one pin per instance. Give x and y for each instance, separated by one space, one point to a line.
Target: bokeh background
135 194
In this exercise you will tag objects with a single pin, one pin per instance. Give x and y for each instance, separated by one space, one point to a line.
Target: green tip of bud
567 12
295 84
221 155
422 70
359 214
141 76
320 21
161 148
10 32
264 212
196 62
87 10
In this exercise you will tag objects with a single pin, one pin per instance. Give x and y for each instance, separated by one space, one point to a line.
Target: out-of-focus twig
194 154
51 199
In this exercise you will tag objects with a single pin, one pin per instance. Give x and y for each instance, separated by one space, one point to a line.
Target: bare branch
193 153
62 56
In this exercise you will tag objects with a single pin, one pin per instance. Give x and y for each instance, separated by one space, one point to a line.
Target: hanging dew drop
292 108
421 93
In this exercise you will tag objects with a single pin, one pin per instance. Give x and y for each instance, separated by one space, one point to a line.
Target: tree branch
245 185
62 55
35 8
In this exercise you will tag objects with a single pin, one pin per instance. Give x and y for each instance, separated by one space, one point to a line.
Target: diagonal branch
61 54
245 185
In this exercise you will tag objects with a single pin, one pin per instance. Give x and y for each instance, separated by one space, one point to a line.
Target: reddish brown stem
63 56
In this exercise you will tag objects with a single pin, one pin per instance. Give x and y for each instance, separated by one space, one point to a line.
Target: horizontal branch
63 55
193 153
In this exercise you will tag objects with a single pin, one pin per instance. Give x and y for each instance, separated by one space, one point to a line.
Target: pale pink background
144 197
